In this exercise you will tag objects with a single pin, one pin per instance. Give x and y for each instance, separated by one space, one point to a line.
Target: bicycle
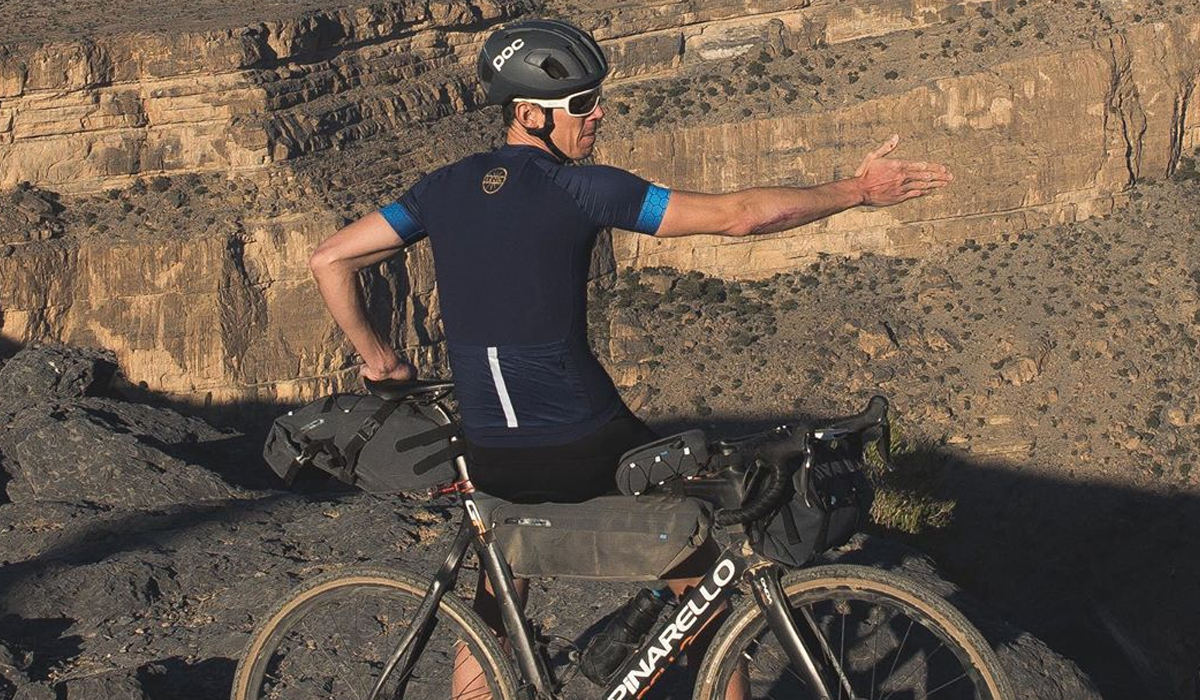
828 631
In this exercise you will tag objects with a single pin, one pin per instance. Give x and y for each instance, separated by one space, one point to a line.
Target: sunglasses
581 104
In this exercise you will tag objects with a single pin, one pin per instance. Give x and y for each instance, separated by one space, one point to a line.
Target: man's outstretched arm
335 265
878 182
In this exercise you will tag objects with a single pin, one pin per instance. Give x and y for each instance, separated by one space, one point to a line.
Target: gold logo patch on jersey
494 180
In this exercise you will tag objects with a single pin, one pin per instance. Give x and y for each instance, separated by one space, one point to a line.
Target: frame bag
838 502
379 446
619 538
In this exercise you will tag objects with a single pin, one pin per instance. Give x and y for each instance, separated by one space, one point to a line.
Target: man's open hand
885 181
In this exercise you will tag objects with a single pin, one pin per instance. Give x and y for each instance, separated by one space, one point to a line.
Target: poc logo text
507 53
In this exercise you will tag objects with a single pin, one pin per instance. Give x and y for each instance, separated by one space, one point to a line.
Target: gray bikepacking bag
618 538
379 446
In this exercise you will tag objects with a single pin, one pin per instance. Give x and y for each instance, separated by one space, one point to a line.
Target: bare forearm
343 297
771 209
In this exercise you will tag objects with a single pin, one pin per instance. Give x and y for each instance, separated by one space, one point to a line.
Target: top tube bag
379 446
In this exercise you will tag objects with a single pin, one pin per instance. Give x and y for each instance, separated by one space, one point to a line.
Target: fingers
915 168
887 147
925 181
884 149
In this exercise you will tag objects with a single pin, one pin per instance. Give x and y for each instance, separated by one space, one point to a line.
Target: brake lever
805 469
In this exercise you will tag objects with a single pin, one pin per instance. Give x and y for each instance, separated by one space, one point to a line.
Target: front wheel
331 637
881 636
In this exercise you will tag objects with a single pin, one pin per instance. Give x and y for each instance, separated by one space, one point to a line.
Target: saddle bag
618 538
824 510
379 446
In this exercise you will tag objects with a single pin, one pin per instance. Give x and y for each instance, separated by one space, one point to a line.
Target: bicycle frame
662 646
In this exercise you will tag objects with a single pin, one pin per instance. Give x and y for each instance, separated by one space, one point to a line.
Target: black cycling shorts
570 473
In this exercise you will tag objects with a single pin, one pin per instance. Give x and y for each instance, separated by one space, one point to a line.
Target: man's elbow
323 260
740 220
318 262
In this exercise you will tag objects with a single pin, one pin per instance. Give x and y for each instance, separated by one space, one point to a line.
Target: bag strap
445 454
343 468
365 432
720 461
789 524
428 437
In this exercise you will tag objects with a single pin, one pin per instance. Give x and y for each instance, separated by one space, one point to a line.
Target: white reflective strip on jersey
510 416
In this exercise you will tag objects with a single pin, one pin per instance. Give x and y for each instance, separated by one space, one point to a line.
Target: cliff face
1046 113
91 114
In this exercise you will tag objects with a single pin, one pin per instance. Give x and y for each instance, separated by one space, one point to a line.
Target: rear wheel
881 636
332 636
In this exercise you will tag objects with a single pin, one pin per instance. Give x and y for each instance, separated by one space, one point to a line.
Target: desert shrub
908 495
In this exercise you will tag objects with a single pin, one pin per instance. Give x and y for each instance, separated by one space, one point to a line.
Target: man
512 232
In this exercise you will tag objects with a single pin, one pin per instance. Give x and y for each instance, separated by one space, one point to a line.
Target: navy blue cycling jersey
512 233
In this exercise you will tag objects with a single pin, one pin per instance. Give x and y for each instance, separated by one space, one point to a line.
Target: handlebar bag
839 501
379 446
616 538
655 463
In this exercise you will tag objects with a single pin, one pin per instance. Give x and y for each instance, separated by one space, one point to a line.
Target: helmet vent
554 69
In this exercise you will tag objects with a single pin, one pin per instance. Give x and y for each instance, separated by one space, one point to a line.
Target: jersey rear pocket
519 386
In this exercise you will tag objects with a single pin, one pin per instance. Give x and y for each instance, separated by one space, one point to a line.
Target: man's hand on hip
885 181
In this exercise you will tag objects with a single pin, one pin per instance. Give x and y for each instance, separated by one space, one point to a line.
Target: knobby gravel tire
840 589
396 590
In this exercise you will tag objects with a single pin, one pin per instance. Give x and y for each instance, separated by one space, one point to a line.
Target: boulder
11 674
46 372
115 685
110 453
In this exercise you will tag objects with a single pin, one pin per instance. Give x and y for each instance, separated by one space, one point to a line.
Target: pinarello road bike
822 632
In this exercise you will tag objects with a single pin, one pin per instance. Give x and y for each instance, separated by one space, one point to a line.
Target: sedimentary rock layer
225 310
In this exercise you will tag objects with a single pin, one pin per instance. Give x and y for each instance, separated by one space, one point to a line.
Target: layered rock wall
212 321
217 315
1041 140
90 114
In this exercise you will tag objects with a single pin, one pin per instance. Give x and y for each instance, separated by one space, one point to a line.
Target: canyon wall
213 314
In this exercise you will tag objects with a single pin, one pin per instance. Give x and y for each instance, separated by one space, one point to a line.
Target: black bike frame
661 648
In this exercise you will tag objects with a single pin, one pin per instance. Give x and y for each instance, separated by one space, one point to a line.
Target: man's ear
530 116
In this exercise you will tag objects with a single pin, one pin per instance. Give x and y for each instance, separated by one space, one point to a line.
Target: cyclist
512 232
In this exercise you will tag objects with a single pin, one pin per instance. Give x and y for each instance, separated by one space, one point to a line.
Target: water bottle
610 648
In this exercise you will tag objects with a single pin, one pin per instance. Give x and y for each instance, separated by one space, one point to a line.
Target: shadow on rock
66 436
176 677
43 640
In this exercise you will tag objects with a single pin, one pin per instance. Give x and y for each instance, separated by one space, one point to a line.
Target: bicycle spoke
842 656
874 655
913 670
828 651
902 643
946 684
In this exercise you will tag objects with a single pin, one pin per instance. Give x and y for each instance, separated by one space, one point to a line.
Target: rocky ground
1045 387
140 547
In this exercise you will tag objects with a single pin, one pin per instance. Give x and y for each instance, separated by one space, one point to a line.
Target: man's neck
518 137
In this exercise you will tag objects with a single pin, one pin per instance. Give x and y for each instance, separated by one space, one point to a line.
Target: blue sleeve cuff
402 222
654 207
